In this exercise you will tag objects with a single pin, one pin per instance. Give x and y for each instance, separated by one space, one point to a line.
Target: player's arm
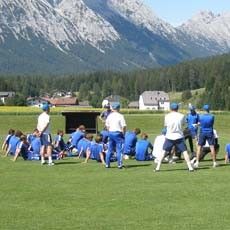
8 150
18 150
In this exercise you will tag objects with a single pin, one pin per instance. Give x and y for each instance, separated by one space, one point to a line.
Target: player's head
206 108
107 106
45 107
116 106
174 106
144 136
81 128
137 131
98 139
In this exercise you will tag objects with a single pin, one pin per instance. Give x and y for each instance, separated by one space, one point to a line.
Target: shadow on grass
184 169
137 165
67 163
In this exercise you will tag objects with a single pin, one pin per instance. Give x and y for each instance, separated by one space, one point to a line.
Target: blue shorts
46 139
179 145
209 137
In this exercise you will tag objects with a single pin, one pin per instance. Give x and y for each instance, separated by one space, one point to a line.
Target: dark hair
11 131
18 133
98 138
144 136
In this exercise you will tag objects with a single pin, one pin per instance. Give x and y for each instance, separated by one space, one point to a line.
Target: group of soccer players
116 143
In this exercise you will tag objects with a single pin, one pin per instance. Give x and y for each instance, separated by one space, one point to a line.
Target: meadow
72 195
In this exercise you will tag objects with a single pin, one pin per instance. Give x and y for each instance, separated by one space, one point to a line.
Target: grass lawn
71 195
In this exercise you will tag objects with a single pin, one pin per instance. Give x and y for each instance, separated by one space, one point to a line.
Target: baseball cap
206 107
116 105
45 107
174 106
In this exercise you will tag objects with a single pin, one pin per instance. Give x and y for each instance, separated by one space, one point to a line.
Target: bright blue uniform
35 147
130 143
227 150
83 145
105 135
13 144
76 137
142 150
30 138
192 119
206 129
95 150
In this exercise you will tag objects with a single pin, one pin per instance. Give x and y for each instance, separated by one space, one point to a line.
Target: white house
154 100
5 95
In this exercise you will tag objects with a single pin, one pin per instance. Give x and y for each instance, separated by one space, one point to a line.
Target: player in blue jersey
35 147
227 153
14 140
143 149
116 125
130 142
22 148
105 136
84 144
96 151
6 142
31 136
206 122
77 136
59 144
103 116
190 133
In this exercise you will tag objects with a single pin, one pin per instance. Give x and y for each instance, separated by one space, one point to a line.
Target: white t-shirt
43 120
115 122
174 122
158 146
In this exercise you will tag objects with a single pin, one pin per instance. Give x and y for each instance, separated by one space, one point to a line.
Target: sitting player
96 151
5 144
59 144
143 149
31 136
22 148
84 144
14 140
130 142
35 147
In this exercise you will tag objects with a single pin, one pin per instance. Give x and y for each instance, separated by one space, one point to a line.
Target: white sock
186 157
42 159
160 159
50 159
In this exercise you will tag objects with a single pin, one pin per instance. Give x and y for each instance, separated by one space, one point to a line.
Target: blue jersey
95 150
227 148
206 123
13 144
7 140
35 146
76 137
83 145
23 149
105 136
191 119
61 143
30 138
142 149
130 143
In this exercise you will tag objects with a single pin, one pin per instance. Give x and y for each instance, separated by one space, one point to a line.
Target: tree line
213 74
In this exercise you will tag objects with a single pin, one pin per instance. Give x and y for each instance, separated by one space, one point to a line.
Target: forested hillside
213 74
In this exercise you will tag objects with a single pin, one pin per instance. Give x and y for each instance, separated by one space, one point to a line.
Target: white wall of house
142 106
164 105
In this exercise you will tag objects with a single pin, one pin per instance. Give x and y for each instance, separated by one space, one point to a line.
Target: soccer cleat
191 170
156 170
43 162
214 165
196 165
107 166
51 164
120 167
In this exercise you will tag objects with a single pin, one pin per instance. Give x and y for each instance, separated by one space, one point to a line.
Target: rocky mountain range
69 36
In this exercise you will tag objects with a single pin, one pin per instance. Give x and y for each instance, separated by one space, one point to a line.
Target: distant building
36 101
63 101
154 100
133 105
5 95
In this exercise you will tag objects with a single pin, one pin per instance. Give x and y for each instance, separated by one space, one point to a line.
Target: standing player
43 127
192 127
174 122
103 116
116 126
206 122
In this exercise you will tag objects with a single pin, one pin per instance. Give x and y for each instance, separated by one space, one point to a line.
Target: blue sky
178 11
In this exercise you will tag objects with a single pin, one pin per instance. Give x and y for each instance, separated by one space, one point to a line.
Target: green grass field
71 195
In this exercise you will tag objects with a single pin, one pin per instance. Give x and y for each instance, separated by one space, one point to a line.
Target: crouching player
96 151
144 149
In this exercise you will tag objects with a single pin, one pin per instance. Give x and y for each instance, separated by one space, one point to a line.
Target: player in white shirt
116 125
43 127
174 122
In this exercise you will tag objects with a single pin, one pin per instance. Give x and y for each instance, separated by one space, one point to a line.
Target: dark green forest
213 74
